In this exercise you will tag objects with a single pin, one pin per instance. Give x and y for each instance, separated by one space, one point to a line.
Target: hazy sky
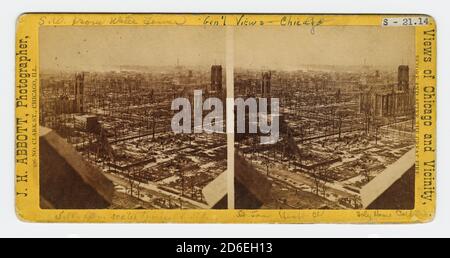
290 47
103 48
272 47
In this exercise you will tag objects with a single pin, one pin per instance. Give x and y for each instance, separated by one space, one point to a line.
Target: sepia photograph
107 105
134 118
346 101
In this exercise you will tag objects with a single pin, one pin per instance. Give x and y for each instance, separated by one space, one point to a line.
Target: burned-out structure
391 101
216 78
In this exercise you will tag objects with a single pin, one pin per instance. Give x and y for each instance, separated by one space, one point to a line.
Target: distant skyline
107 48
288 48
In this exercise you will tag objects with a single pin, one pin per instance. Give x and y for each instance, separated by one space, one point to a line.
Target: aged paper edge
27 162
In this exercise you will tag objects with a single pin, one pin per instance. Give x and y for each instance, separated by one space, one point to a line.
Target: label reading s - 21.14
406 21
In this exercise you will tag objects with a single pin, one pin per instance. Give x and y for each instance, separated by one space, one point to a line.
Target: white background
11 226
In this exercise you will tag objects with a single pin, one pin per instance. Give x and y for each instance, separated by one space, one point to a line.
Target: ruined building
216 78
79 93
65 101
403 78
399 101
266 84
